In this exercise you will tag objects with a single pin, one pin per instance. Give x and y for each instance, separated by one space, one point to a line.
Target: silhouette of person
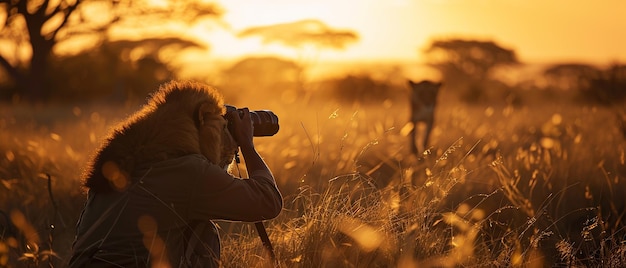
161 177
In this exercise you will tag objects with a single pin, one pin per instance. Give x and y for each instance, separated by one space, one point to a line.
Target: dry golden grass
533 185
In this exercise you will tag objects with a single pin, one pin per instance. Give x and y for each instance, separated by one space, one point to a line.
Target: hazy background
540 31
160 40
532 111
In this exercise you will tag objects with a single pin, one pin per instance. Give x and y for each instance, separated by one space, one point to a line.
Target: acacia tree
299 33
571 75
469 58
24 26
32 28
467 65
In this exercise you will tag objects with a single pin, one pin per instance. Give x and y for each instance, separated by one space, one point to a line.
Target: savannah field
535 182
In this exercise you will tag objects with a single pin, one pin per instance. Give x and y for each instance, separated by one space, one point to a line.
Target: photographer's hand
242 127
243 134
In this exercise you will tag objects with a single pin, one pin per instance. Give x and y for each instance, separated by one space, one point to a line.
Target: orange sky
538 30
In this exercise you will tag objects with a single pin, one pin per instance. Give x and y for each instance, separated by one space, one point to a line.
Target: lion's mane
166 127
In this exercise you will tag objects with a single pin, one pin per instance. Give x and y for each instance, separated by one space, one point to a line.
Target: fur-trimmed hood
166 127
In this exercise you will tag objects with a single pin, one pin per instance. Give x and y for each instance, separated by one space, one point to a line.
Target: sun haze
398 29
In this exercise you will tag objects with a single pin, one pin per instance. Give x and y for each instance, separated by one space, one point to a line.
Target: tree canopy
299 33
31 30
467 66
468 58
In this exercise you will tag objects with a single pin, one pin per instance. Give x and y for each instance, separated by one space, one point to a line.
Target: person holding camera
160 178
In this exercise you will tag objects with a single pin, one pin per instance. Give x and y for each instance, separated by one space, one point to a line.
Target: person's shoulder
190 161
194 158
196 161
186 158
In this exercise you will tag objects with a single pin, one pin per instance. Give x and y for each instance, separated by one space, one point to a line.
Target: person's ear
203 112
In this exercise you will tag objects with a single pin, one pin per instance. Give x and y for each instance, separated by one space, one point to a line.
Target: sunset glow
348 133
397 30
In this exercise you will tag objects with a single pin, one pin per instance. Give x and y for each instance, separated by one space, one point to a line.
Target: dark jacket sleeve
219 195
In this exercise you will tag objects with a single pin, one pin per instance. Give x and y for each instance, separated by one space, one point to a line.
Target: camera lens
265 122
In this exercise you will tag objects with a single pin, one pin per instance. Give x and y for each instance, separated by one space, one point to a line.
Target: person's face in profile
216 142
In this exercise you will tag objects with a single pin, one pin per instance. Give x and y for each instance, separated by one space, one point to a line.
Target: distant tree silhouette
571 75
468 64
303 34
604 86
299 33
32 29
361 88
24 25
610 87
261 78
123 70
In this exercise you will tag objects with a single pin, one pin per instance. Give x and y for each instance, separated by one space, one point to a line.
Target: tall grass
531 188
541 184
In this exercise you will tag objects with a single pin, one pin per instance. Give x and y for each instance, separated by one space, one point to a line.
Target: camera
265 122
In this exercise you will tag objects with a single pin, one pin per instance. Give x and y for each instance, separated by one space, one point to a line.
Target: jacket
165 217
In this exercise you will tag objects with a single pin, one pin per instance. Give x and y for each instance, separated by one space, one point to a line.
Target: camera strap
260 228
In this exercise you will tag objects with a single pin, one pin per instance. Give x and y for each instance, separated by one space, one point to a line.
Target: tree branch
12 71
68 12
